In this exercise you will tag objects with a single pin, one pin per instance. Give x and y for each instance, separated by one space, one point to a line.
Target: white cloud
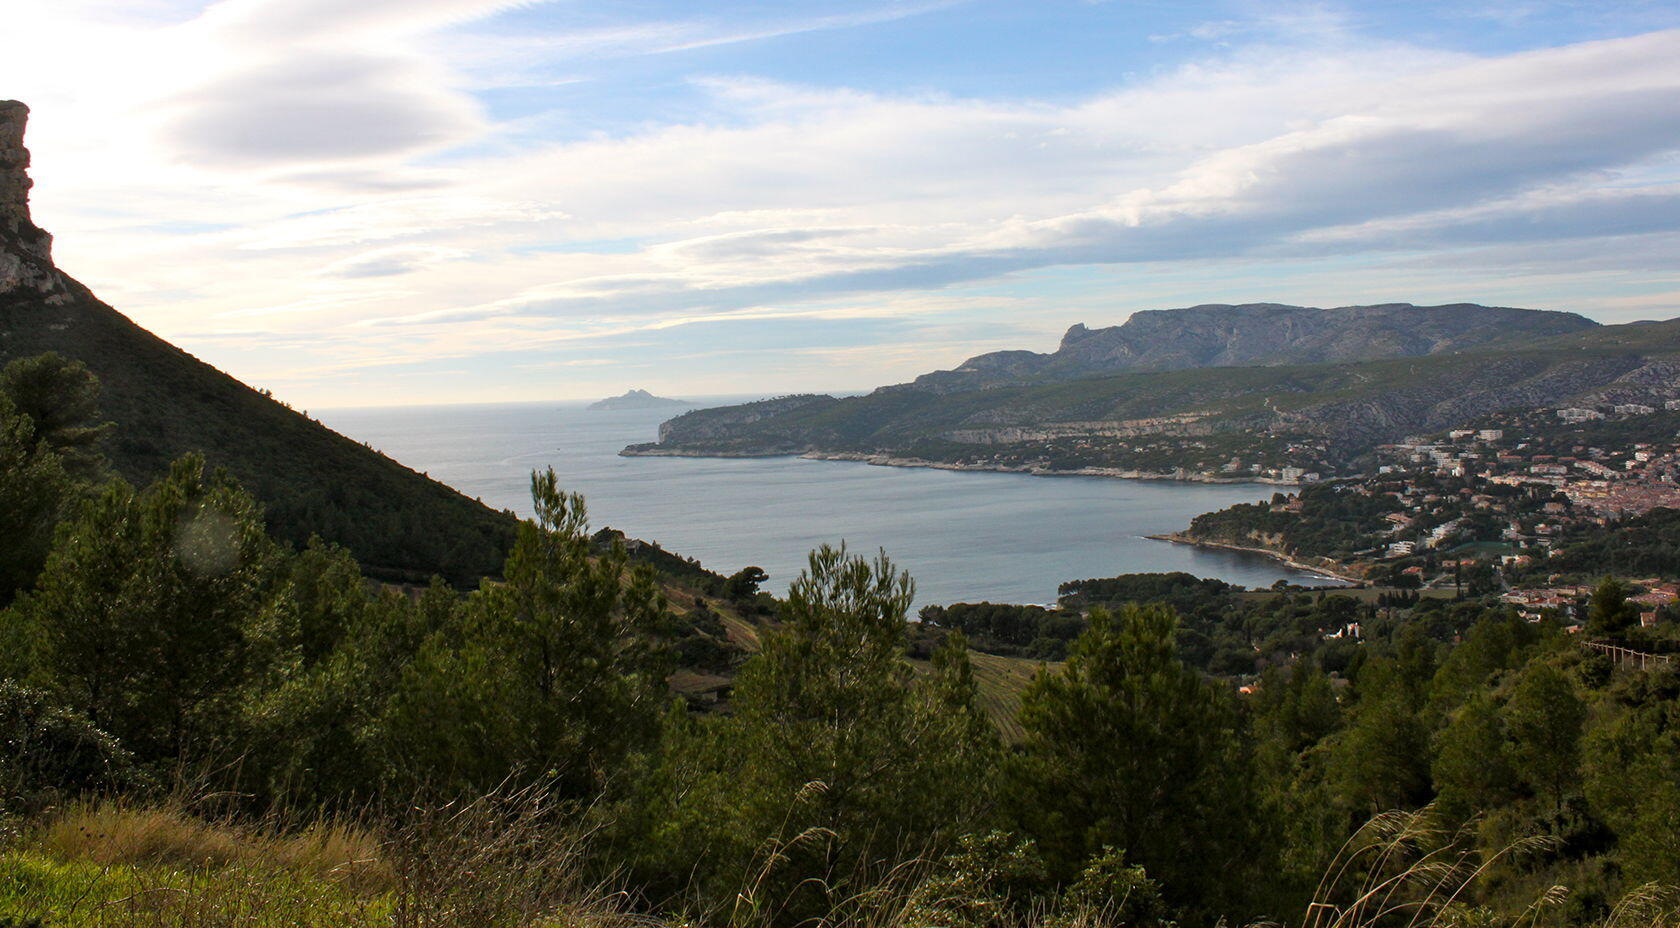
284 163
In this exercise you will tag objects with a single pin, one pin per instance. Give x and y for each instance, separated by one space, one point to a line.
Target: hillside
1261 334
1198 421
165 403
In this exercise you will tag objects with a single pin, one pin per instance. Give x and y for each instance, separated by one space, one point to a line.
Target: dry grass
1404 869
507 859
512 860
114 834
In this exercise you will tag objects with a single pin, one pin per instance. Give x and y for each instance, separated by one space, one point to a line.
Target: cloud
317 107
344 176
389 262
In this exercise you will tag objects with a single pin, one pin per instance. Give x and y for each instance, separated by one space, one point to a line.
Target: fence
1628 657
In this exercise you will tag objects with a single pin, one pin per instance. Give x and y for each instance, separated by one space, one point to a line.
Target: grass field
1001 681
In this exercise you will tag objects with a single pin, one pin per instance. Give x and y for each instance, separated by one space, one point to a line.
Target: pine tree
150 607
1127 748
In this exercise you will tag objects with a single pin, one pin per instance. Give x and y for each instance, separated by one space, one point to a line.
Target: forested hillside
1196 420
202 718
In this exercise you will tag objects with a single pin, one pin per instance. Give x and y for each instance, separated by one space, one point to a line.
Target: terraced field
1001 681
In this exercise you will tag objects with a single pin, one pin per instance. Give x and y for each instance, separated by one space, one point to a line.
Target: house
1633 409
1491 434
1576 414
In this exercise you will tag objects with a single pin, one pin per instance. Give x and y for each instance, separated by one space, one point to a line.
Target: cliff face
1261 334
25 250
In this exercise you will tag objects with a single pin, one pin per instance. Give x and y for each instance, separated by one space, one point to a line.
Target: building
1491 434
1576 414
1633 409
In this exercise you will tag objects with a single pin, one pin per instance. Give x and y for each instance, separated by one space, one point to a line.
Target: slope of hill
1198 421
313 481
1261 334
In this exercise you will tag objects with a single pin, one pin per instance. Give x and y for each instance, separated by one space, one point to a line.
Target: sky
427 201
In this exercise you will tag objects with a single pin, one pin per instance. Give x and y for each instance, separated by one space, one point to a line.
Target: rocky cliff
25 250
1262 334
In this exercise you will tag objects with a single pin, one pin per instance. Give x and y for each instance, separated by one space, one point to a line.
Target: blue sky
399 201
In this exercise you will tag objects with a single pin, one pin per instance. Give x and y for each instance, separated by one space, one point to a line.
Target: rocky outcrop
1260 334
25 250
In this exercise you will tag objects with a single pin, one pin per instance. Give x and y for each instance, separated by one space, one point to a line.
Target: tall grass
513 860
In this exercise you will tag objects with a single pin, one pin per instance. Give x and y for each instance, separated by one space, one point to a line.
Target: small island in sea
639 399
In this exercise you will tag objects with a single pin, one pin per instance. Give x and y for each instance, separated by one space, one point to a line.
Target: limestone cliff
25 250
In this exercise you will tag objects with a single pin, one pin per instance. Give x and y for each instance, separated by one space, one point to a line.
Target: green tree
1127 748
313 725
150 606
1608 612
557 673
61 397
1631 774
743 584
843 760
35 491
1380 761
1471 769
1544 717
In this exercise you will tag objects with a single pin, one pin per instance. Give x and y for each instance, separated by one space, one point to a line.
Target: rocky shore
1334 570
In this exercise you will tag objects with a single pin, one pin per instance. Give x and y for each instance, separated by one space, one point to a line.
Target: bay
965 536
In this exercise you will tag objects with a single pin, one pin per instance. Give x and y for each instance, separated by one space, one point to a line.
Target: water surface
964 536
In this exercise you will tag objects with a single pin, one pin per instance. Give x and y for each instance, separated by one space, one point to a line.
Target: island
639 399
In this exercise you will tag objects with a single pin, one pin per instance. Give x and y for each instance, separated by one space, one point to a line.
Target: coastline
888 460
1334 573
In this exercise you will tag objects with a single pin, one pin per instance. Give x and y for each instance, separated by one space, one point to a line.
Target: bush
48 751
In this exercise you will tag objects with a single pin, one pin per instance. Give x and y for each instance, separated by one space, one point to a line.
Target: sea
964 536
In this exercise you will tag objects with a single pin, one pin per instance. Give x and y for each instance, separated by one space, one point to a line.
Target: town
1534 507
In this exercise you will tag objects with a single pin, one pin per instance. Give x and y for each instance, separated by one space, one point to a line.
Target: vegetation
1333 523
1316 416
207 726
311 481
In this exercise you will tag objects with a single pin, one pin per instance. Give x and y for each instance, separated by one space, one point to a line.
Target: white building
1576 414
1633 409
1491 434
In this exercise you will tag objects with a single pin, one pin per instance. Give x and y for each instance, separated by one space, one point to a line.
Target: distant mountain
1262 334
640 399
165 403
1200 421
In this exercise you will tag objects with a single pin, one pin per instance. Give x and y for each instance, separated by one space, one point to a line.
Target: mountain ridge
1261 334
1193 421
